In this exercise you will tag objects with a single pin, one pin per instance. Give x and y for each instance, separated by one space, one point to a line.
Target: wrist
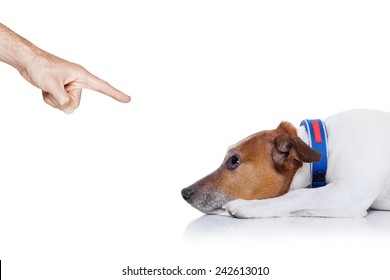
25 54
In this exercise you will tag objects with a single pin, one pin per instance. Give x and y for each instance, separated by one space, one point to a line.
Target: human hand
62 81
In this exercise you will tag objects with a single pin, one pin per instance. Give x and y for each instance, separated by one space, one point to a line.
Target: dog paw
238 209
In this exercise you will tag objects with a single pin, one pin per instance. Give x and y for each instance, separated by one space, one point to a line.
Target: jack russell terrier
339 167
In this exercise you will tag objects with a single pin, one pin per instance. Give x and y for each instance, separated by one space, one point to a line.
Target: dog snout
186 193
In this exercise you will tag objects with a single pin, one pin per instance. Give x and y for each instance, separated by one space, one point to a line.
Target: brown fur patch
268 162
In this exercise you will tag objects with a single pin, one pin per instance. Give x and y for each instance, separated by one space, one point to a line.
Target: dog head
259 166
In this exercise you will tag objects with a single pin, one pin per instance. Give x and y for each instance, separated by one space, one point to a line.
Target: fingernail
69 110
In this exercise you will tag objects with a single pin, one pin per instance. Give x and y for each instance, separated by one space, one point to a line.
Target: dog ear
290 152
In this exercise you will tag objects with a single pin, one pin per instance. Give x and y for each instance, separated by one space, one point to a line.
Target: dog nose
187 193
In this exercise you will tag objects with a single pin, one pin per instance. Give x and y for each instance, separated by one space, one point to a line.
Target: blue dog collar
318 140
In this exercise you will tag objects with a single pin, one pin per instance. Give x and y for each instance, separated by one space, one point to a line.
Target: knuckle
63 101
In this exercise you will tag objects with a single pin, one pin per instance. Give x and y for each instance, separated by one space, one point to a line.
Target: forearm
15 50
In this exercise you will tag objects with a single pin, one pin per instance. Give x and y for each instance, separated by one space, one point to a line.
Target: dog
269 174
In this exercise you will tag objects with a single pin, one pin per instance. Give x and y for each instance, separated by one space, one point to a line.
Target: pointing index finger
99 85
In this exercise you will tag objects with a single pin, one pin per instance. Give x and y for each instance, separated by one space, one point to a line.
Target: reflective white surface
209 227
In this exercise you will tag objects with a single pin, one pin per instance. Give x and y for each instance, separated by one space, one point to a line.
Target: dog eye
233 162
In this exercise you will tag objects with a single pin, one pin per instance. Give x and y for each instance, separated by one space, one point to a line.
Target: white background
84 195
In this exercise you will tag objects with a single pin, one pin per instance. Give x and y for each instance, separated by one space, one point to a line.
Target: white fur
358 175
